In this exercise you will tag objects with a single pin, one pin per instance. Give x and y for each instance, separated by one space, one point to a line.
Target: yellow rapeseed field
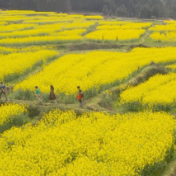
17 63
170 27
91 144
10 111
3 23
37 40
166 37
115 35
26 33
157 91
94 144
15 27
171 66
126 25
117 30
91 70
41 32
108 22
7 50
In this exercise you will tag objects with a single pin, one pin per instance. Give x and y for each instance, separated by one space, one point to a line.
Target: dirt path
170 170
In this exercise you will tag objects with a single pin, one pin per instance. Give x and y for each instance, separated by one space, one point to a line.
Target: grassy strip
16 120
145 73
90 29
138 106
149 42
170 169
158 167
132 41
38 42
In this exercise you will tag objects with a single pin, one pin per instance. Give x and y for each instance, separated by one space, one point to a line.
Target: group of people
52 95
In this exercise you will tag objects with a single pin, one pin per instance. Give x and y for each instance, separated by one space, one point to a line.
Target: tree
122 11
110 13
145 12
131 8
105 10
136 8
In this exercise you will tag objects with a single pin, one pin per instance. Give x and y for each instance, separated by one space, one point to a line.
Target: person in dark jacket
3 90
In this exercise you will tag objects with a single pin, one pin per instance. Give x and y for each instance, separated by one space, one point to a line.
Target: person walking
38 95
52 94
80 96
3 90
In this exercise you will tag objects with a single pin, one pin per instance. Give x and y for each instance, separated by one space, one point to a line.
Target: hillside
127 72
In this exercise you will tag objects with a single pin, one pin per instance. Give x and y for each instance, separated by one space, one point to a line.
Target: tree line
121 8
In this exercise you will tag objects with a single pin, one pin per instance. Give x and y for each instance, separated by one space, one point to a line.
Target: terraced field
126 71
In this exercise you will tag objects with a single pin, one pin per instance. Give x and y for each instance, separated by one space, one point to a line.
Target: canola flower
67 25
170 21
166 37
52 23
35 48
36 40
109 27
93 70
79 25
43 17
31 32
18 12
171 66
115 35
29 12
7 50
38 19
28 17
9 112
58 14
74 32
15 27
2 23
12 18
170 27
158 90
91 17
54 26
99 145
47 20
109 22
129 25
42 34
18 63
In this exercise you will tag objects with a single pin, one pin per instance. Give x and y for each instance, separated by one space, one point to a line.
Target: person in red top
80 96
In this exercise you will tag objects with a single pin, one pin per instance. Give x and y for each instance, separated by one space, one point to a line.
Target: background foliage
123 8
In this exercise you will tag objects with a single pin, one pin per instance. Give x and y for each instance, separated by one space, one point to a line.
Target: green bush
24 95
151 170
18 121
